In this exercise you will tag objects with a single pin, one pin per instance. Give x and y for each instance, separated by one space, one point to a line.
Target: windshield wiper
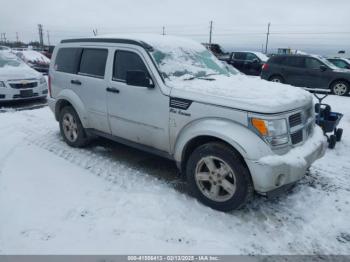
205 77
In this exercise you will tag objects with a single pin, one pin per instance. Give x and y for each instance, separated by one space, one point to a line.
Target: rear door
294 71
89 84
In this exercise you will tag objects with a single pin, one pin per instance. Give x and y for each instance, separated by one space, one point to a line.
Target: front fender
77 104
246 142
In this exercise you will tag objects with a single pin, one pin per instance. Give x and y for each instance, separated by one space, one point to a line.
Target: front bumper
272 172
14 94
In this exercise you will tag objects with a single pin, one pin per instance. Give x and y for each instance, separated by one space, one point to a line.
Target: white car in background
35 60
5 48
18 81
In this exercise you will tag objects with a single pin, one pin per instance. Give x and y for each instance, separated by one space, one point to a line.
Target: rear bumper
273 172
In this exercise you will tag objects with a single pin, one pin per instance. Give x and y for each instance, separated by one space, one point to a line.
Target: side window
93 62
240 56
279 60
312 63
295 61
251 57
126 61
67 60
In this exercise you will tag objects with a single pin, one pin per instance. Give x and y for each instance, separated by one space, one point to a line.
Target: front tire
340 88
71 128
218 178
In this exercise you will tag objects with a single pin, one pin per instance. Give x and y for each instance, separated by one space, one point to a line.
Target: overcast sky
240 24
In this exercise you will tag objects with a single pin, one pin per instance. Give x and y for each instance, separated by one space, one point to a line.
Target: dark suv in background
308 71
249 63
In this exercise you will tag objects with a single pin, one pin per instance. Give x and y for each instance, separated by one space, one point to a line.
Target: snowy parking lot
111 199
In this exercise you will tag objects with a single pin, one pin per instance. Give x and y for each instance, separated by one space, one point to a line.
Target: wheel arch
69 98
337 80
238 137
278 75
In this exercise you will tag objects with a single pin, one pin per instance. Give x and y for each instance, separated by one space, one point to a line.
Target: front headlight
42 81
273 131
2 84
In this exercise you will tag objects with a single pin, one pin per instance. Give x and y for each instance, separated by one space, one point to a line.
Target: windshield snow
7 59
188 64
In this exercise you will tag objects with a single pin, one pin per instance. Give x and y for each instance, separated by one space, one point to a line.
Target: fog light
280 179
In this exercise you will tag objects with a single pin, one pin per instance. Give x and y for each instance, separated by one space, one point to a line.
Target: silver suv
229 134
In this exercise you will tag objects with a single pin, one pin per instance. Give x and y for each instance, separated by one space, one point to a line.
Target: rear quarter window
278 60
67 60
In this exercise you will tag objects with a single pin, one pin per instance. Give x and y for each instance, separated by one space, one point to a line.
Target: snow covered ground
110 199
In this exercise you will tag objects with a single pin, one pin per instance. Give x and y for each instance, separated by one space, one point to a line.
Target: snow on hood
17 70
242 92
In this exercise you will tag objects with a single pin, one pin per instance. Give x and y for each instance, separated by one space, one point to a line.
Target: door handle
76 82
112 90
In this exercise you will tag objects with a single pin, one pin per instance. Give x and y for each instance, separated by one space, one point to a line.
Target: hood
242 92
18 72
342 70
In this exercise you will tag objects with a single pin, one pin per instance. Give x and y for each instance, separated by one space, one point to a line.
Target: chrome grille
297 137
24 85
295 120
301 125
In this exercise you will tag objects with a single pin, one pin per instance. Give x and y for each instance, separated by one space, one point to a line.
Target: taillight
49 86
265 67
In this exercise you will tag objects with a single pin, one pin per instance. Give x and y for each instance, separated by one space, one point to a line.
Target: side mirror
138 78
347 67
255 61
323 68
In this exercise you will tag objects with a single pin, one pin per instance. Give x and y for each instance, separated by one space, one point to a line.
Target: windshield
189 64
326 62
9 60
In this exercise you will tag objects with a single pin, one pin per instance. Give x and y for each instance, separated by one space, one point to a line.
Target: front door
137 113
315 77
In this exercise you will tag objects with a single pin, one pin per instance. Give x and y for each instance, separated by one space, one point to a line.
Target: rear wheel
276 79
218 178
340 88
71 128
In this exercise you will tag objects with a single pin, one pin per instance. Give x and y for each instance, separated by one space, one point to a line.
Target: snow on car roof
160 42
31 55
261 56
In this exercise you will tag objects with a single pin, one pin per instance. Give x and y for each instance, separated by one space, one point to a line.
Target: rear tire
340 88
277 79
71 128
217 176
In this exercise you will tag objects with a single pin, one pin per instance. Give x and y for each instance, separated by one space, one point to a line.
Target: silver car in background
18 81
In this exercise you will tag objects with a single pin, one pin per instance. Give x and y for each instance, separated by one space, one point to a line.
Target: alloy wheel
340 89
70 127
215 179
